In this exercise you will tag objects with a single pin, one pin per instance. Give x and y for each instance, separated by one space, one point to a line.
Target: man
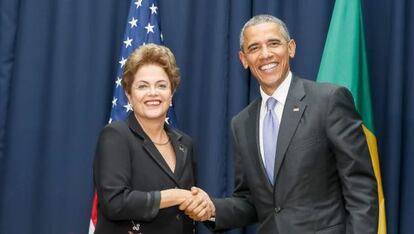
301 159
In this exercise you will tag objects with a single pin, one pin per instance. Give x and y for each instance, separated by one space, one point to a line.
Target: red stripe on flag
94 212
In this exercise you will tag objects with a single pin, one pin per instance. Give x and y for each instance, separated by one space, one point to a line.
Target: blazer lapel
292 113
181 152
150 147
155 154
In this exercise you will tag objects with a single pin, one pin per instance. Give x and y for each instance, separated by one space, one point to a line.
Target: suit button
178 217
278 209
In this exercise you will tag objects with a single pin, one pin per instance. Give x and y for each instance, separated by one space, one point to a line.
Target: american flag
142 27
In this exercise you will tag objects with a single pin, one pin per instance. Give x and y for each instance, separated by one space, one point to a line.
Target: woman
143 169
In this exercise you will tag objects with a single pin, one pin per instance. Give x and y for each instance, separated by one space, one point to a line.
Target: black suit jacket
324 181
129 173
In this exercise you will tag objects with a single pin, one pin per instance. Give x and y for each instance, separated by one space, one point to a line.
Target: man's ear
292 48
243 60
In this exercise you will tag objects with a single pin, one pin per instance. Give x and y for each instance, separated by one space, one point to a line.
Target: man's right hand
200 207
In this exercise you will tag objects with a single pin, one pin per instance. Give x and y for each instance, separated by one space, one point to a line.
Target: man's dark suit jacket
324 181
129 173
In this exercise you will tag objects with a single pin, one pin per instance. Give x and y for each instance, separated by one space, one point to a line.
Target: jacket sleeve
112 174
236 211
359 187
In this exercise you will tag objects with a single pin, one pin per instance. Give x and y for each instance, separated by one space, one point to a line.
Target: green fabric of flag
344 62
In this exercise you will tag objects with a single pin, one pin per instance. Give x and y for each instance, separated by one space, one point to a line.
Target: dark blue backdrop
57 68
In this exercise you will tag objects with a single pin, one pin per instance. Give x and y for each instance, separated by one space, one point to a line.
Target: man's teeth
268 66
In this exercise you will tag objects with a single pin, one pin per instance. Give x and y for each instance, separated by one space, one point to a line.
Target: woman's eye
162 86
142 86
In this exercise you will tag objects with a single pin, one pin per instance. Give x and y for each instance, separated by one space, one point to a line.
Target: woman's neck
153 128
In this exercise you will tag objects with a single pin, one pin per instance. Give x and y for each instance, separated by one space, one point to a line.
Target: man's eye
275 44
253 49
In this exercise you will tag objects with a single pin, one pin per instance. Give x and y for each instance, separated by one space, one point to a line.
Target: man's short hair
259 19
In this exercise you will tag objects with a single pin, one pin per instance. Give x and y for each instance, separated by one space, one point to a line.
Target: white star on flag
123 61
150 28
128 42
114 101
118 82
153 9
133 22
138 3
128 107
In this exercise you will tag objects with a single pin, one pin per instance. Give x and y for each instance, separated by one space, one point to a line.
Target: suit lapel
292 113
151 149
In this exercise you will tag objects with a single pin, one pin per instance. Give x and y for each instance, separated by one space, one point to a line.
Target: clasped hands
198 206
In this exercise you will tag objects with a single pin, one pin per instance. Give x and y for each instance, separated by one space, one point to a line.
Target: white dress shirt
280 95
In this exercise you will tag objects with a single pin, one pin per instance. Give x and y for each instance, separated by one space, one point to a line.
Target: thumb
194 190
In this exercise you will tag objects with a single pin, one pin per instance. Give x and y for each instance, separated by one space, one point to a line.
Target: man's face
267 52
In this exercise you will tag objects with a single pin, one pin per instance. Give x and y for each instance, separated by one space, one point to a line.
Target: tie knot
271 103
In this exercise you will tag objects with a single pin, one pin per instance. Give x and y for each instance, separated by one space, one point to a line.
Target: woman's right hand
174 197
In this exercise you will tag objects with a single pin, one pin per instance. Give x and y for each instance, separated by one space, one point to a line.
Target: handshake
195 203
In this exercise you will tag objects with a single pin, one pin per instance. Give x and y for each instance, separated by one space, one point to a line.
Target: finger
209 214
185 204
202 210
212 207
194 204
201 207
191 208
204 215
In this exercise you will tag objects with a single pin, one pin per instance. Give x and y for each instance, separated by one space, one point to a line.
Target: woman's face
150 95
